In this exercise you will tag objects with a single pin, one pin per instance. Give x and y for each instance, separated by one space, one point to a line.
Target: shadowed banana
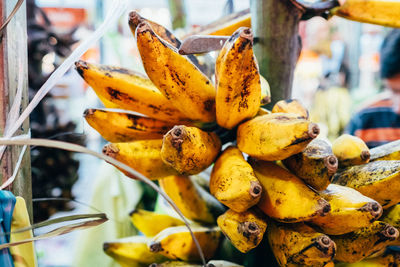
124 126
350 210
376 180
178 79
245 230
316 164
357 245
144 156
151 223
381 12
265 91
132 251
129 90
389 151
189 150
299 245
275 136
226 25
233 182
194 202
237 80
350 150
390 258
392 217
290 106
23 255
285 197
176 243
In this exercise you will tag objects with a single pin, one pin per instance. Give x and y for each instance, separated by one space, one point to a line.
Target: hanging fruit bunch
271 177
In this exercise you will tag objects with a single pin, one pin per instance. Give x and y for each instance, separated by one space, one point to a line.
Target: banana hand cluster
307 202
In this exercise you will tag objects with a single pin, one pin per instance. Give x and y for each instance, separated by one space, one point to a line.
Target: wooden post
275 23
14 35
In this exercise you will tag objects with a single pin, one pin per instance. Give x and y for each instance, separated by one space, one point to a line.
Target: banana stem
82 149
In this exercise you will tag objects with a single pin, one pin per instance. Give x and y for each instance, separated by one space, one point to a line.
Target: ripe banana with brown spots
129 90
237 80
350 210
378 180
194 202
189 150
285 197
360 244
118 127
316 164
179 80
245 229
143 155
233 182
275 136
176 243
290 106
299 245
389 151
350 150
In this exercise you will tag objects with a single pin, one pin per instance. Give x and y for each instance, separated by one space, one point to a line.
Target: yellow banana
275 136
227 25
265 91
237 80
132 251
285 197
290 106
381 12
245 230
151 223
181 82
176 243
107 103
389 259
23 255
357 245
299 245
376 180
128 90
194 202
392 217
135 19
189 150
389 151
124 127
350 150
316 164
144 156
233 182
350 210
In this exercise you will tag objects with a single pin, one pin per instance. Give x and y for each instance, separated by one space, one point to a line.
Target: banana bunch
245 178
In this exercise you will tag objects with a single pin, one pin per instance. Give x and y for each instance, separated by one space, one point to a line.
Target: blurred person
378 122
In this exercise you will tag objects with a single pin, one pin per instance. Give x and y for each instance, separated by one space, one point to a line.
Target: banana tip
313 130
265 100
365 155
134 18
132 212
246 33
331 164
324 243
390 233
177 134
106 246
110 150
255 189
88 112
155 247
80 65
143 26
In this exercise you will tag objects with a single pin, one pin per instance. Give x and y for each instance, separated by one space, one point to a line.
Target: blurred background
337 73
